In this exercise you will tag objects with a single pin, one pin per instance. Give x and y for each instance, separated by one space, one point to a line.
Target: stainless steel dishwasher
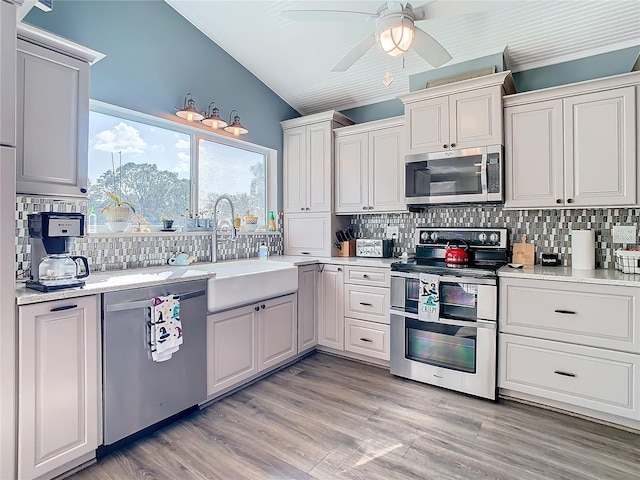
138 392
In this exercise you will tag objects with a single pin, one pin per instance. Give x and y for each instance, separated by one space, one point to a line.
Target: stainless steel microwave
472 175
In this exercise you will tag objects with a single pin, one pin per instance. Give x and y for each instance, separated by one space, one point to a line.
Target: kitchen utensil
523 252
457 255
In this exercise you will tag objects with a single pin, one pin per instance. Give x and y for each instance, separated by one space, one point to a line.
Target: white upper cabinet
459 115
534 171
52 114
574 145
308 162
7 74
370 167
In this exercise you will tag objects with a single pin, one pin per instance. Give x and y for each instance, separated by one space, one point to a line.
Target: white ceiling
295 58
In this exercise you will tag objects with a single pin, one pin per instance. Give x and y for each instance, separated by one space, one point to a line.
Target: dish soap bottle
92 221
272 221
263 252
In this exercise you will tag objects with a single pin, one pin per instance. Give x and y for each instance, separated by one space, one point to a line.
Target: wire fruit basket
628 261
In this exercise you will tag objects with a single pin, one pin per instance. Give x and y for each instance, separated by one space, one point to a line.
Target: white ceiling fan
395 30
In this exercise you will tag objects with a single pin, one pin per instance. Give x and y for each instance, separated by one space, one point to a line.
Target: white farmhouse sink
245 281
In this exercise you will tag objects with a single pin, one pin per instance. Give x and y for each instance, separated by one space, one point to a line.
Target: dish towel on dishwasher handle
429 302
164 329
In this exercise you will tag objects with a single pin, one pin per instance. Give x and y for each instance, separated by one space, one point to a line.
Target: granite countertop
567 274
349 261
103 282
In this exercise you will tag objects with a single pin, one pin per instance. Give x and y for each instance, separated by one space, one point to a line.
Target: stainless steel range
444 309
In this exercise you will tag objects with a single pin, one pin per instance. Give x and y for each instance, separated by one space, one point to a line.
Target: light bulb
236 132
190 117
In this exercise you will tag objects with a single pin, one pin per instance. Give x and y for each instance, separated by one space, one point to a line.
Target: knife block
347 249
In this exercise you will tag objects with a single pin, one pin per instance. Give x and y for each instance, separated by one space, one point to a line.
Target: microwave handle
483 175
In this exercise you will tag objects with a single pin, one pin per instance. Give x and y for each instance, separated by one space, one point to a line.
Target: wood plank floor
331 418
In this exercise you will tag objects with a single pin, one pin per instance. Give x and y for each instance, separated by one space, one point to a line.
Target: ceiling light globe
396 40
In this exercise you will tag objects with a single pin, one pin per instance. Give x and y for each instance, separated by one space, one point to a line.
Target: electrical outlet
392 232
624 234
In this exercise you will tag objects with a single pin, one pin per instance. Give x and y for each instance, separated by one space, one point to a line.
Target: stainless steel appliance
374 247
51 236
455 176
138 392
457 349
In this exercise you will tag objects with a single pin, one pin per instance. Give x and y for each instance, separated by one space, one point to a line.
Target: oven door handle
484 324
465 279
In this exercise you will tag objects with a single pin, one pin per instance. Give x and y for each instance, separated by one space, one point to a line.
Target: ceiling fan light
395 34
396 40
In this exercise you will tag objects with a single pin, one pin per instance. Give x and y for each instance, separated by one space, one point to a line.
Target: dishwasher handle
119 307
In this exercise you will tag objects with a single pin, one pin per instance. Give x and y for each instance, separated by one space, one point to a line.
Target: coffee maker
52 235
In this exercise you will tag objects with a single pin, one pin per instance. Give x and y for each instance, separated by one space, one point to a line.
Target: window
166 169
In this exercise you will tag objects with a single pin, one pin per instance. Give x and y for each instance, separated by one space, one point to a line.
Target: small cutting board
524 252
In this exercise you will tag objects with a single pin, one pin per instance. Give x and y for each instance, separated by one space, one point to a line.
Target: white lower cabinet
367 338
231 348
248 340
572 346
602 380
366 311
307 307
277 331
59 385
331 308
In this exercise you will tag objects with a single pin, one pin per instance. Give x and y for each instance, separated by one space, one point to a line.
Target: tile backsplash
549 229
113 251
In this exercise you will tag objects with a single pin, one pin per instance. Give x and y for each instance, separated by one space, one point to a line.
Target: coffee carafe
51 237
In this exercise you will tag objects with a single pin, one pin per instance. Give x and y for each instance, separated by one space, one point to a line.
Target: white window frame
195 132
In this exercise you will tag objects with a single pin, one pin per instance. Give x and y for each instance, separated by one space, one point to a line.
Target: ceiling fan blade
428 48
355 53
448 9
325 15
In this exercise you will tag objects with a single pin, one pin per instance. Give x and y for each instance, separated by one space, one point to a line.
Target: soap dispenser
263 252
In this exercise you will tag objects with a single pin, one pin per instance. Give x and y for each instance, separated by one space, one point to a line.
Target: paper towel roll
583 249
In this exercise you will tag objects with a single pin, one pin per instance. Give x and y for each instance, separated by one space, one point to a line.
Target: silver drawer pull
565 312
564 374
366 304
366 340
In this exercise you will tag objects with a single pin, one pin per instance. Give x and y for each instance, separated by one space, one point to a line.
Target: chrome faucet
214 233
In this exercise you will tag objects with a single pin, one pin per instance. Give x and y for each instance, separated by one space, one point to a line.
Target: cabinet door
352 173
277 331
52 122
59 384
308 234
319 179
7 74
600 148
534 159
331 311
295 169
476 118
307 307
231 348
386 170
427 124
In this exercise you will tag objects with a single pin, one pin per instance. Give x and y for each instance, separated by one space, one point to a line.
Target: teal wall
154 57
589 68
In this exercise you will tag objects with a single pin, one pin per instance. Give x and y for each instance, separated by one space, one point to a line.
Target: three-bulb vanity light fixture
211 118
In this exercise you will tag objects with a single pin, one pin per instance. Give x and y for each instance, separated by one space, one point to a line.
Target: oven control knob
494 238
424 237
482 237
434 236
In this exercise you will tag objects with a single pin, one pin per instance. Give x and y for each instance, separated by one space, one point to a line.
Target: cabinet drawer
594 315
366 303
367 338
374 276
587 377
